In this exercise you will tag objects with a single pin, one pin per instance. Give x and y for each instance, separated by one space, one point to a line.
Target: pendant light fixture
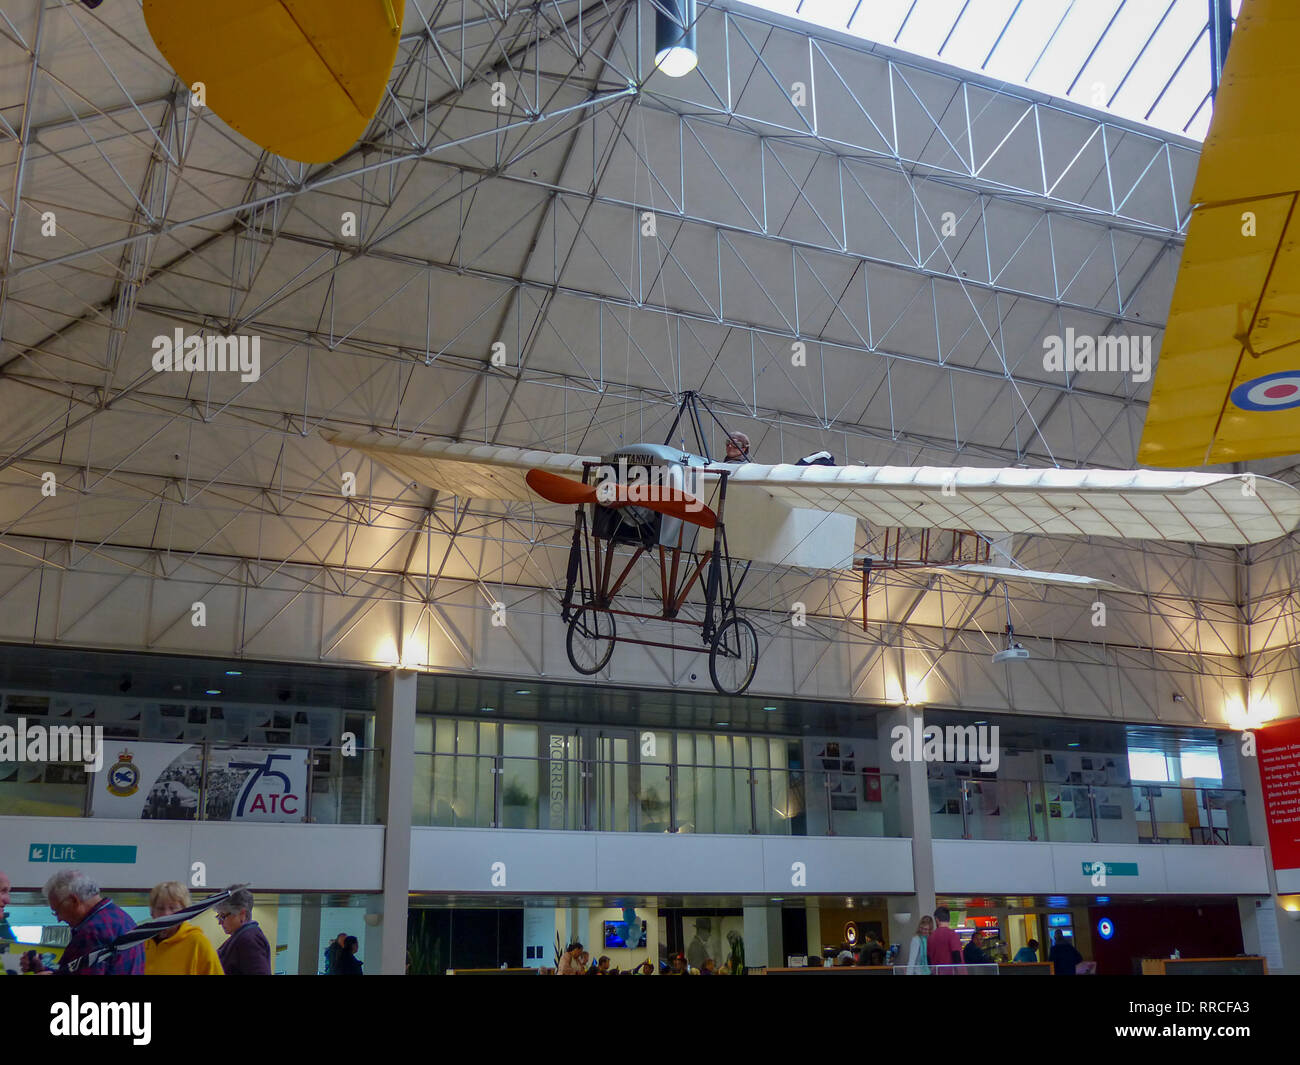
675 51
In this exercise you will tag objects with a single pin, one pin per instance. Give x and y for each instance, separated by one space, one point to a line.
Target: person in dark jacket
873 951
347 963
332 954
1064 957
974 953
246 952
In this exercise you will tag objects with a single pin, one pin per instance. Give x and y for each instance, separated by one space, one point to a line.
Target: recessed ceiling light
1072 745
769 709
213 691
722 724
234 673
488 709
523 691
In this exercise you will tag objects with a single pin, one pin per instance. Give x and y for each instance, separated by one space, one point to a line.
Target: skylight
1144 60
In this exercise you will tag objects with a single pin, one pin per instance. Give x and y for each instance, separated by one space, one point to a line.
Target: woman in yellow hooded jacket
183 951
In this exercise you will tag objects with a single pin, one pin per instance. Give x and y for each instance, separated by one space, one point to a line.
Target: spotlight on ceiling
675 37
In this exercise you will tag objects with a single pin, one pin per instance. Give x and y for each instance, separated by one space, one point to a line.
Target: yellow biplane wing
301 78
1227 385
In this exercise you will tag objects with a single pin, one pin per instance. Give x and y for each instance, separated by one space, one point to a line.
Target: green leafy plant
651 803
423 945
736 956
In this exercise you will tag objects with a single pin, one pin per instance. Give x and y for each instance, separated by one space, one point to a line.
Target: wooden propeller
670 501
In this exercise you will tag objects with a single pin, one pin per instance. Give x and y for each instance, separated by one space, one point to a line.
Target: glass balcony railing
577 794
1134 813
204 782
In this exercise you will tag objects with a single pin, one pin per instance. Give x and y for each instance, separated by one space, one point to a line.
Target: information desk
834 970
1247 965
1030 968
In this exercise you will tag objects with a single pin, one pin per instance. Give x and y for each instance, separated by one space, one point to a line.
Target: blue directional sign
88 853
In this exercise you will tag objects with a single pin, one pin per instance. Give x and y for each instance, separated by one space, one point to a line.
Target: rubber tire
591 618
732 621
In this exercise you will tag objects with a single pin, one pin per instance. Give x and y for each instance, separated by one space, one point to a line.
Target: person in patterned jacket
96 922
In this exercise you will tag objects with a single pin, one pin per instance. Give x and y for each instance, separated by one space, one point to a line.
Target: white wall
611 863
962 866
269 857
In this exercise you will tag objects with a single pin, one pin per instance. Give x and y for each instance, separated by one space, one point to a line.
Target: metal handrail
208 746
638 764
1215 834
588 764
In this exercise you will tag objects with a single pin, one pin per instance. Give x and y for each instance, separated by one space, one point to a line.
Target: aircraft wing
301 79
815 505
1227 384
1032 576
471 471
1128 504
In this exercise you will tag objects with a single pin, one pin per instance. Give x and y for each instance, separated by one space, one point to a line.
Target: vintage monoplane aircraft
705 522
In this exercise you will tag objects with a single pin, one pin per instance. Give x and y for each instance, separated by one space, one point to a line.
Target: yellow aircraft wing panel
301 78
1227 384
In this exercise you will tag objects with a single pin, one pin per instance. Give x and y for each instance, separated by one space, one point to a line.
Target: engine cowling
648 468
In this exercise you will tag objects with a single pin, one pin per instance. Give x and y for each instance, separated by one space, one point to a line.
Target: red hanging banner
1278 747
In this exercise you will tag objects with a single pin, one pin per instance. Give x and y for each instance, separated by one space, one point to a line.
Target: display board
163 781
1278 748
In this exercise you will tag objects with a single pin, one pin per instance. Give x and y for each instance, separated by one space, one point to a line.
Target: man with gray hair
246 952
96 922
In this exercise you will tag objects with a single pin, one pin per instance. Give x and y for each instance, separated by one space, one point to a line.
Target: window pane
1201 763
520 776
1147 765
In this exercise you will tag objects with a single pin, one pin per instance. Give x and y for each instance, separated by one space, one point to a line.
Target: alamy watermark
1108 354
180 353
950 743
53 743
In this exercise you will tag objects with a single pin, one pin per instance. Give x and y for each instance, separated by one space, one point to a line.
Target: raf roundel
1275 391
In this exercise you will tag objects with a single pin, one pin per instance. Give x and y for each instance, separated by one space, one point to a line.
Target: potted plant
518 808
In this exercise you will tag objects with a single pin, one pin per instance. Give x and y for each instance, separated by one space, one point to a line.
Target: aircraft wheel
733 655
591 638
